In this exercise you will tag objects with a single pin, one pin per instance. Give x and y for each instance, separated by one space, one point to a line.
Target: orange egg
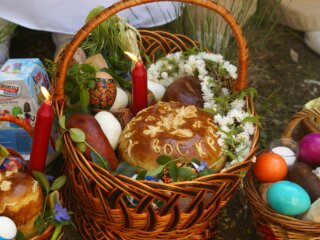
270 167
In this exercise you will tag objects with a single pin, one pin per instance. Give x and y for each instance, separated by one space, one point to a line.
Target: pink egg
309 149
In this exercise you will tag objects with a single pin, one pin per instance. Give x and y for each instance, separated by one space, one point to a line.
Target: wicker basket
311 124
20 122
97 197
273 225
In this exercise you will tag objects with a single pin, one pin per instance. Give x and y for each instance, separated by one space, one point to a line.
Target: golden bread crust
169 128
22 201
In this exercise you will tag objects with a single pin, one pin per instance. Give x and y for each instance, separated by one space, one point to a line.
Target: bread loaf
170 128
21 200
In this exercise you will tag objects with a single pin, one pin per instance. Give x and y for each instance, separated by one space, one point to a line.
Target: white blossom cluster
232 126
317 172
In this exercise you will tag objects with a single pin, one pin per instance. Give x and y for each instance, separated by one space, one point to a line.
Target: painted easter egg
8 229
104 93
270 167
309 149
288 198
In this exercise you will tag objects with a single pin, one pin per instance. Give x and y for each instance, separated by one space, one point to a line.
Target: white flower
236 114
231 69
217 118
243 137
238 104
164 75
249 128
317 172
225 128
220 142
230 115
227 120
225 91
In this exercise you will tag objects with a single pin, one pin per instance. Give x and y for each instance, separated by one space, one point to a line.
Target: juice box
20 82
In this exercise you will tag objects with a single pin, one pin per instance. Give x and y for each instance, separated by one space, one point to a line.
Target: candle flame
45 93
131 56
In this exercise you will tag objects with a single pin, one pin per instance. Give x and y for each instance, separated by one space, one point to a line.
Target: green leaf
77 135
42 179
20 236
74 95
252 119
142 175
97 159
58 183
84 99
126 169
196 161
53 196
87 68
163 159
173 171
81 146
62 122
58 143
156 171
205 172
186 173
91 84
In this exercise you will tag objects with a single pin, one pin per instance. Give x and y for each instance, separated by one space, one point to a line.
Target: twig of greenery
80 79
112 38
79 137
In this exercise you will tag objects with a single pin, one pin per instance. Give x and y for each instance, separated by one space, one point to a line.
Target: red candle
41 135
139 87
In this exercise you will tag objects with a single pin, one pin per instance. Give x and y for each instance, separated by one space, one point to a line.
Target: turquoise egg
288 198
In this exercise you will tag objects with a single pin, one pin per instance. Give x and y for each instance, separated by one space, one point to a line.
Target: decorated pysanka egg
104 93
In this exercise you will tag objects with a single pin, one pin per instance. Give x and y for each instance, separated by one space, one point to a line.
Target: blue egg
288 198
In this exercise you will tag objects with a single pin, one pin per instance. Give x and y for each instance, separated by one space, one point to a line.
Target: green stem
44 207
101 158
56 232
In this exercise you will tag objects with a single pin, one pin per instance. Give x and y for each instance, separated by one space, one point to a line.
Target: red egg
270 167
104 94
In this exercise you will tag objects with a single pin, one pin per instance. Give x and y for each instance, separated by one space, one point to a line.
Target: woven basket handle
119 6
297 118
18 121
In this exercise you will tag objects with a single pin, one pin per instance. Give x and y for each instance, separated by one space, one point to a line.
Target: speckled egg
8 229
104 94
288 198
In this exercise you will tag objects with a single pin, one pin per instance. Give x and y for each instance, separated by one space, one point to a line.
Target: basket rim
19 121
71 48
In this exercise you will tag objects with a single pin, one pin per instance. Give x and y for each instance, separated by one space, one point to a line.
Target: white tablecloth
67 16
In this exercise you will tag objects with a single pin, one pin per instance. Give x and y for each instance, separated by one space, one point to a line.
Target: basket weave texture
273 225
21 123
98 198
311 124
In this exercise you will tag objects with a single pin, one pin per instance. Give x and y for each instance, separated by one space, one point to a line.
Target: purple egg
309 149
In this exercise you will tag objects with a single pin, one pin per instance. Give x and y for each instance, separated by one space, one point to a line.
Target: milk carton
20 82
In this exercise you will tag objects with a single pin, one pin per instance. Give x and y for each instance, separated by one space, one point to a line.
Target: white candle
287 153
